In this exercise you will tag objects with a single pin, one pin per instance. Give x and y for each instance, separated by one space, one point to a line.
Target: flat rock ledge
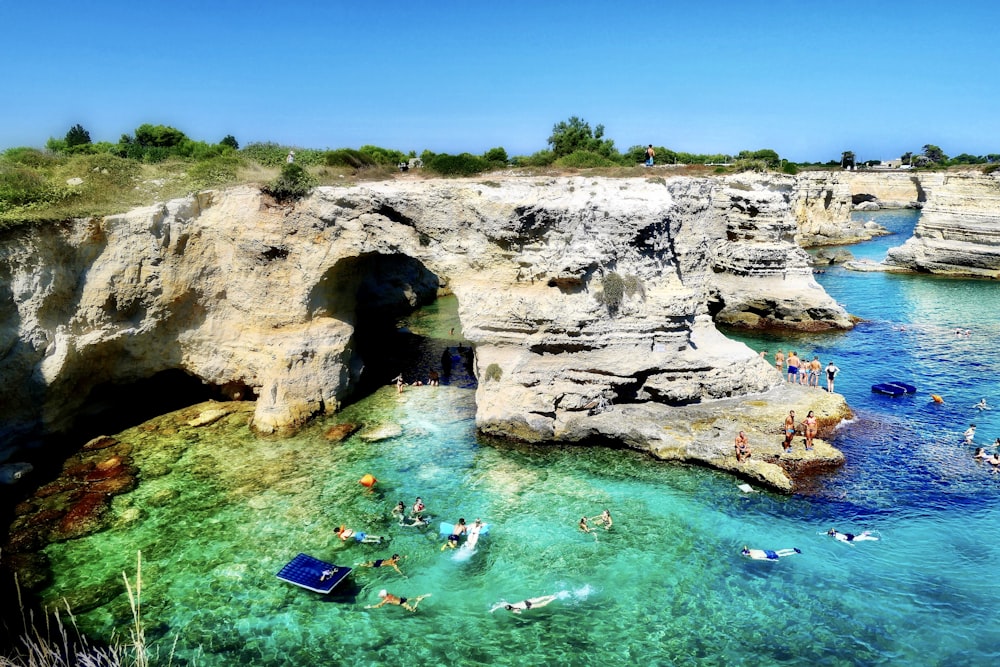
704 433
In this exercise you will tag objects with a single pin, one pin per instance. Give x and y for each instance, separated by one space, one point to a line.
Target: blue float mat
306 571
908 388
888 389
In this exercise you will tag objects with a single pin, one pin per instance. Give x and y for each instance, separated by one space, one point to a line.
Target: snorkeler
384 562
849 537
345 534
389 598
530 603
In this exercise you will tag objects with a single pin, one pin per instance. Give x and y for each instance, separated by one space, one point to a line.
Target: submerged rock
379 432
339 432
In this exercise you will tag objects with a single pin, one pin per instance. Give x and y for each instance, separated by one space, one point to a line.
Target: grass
53 642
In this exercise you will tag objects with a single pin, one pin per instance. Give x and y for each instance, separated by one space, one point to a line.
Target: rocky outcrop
822 205
574 288
958 232
890 189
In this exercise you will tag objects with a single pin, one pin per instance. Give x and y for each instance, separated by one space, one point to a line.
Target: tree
906 158
933 153
847 160
77 136
162 136
570 136
230 140
497 154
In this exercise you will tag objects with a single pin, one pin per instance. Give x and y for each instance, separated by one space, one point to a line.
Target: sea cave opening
405 322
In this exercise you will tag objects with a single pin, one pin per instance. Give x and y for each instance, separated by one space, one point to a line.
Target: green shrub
293 183
493 373
20 186
465 164
387 157
217 171
230 140
270 154
347 157
543 158
789 168
990 168
613 291
29 157
584 160
161 136
634 286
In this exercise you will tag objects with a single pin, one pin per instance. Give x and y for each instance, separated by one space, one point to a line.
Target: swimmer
970 434
583 525
849 537
416 522
472 536
345 534
384 562
762 554
530 603
981 454
399 383
418 507
459 530
389 598
399 511
981 405
606 519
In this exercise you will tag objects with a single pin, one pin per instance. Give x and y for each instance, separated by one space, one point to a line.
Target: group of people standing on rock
801 371
808 428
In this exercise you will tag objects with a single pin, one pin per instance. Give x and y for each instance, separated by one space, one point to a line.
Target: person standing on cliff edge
650 154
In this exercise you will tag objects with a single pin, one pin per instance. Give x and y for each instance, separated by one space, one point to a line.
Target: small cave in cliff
114 407
376 293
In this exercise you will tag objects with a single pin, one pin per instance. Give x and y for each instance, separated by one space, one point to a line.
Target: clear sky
807 78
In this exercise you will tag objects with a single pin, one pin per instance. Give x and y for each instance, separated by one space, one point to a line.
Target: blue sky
808 79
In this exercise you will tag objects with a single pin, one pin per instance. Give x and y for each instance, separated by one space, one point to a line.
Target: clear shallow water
665 586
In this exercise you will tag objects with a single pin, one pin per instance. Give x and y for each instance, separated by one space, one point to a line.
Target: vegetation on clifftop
74 177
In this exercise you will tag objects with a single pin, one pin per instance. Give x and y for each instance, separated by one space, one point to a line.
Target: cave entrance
400 324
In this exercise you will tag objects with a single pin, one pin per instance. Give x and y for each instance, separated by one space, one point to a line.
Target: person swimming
384 562
389 598
850 537
456 533
530 603
982 405
345 533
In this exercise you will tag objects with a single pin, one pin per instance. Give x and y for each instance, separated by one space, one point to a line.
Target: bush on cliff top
293 183
464 164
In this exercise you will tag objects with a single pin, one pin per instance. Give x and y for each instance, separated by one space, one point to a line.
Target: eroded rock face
959 230
572 287
822 206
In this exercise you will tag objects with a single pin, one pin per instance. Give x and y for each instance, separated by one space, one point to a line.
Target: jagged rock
868 206
958 232
828 257
822 205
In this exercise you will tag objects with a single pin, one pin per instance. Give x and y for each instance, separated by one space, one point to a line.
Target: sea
220 511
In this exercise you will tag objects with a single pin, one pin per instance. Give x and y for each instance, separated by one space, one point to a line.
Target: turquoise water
665 586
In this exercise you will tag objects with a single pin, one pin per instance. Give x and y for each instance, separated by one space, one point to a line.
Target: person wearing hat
389 598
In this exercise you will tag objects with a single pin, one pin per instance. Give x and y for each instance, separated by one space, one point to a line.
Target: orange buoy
368 480
937 399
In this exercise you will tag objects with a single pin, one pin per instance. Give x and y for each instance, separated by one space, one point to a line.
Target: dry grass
52 642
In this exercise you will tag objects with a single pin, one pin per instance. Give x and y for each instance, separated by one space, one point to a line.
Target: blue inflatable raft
893 388
313 574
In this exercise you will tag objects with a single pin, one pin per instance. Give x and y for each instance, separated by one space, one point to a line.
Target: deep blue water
666 586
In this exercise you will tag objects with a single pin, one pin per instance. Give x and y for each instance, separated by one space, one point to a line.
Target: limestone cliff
823 202
959 229
573 289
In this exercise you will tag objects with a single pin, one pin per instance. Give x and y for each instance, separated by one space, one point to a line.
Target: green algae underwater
220 510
